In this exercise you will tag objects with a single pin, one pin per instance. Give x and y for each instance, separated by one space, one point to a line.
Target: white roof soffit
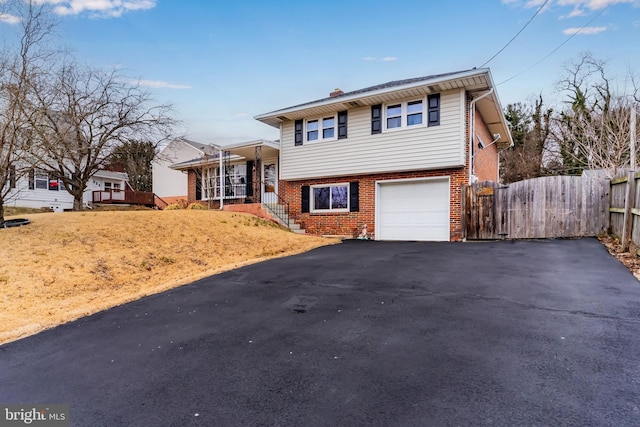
473 80
251 144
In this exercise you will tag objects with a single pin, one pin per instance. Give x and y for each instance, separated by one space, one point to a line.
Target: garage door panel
413 210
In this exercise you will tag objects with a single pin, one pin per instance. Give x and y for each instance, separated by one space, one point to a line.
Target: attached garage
416 209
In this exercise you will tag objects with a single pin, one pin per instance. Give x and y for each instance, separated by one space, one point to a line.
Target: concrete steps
278 212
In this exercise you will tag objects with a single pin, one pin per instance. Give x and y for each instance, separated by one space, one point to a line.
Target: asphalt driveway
363 333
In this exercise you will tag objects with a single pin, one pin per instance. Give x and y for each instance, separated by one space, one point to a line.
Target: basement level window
330 198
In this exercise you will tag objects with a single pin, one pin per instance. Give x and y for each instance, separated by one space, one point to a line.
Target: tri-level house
392 157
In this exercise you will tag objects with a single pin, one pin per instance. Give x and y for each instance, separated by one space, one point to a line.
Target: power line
557 48
517 34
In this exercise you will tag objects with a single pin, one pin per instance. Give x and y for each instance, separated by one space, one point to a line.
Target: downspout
472 120
220 178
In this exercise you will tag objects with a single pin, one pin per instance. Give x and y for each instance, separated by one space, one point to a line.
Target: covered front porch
241 174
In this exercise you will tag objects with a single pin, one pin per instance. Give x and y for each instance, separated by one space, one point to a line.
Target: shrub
196 205
173 207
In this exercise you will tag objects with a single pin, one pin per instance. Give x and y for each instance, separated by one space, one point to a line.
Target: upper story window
414 113
405 114
327 128
394 116
312 130
321 129
399 115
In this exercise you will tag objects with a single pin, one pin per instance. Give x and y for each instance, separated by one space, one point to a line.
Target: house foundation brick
350 223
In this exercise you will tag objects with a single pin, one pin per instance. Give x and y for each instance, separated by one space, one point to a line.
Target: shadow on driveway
363 333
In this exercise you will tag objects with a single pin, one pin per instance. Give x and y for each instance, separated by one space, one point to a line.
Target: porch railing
123 197
278 206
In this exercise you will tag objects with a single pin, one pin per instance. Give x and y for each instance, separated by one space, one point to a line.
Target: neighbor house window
321 129
404 114
333 197
41 179
54 184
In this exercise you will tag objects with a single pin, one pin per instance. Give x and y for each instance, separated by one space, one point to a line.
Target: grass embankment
67 265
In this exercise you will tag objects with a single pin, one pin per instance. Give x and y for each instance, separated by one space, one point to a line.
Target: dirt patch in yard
67 265
630 259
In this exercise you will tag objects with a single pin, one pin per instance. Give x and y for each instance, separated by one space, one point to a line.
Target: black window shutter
249 178
198 187
305 199
354 196
434 110
12 177
298 132
376 118
32 179
342 125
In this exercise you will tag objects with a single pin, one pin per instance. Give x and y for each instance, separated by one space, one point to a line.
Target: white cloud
99 8
242 114
585 30
160 84
579 6
384 59
9 19
591 4
575 13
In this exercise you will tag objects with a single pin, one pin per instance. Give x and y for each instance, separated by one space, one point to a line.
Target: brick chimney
336 92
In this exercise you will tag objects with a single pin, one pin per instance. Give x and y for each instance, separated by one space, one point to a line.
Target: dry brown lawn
67 265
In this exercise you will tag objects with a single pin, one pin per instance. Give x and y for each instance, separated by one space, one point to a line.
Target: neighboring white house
171 184
38 189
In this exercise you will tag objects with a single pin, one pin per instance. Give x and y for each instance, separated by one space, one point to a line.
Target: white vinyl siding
417 148
22 196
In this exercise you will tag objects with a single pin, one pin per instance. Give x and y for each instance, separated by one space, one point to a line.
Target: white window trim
320 129
403 115
335 184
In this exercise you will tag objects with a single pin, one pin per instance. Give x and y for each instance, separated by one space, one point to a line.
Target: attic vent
283 118
354 104
435 88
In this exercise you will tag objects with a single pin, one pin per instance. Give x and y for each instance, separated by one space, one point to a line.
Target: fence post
629 204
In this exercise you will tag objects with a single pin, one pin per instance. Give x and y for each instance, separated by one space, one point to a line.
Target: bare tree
79 115
593 130
18 66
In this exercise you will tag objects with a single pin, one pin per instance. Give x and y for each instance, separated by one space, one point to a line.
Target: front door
269 181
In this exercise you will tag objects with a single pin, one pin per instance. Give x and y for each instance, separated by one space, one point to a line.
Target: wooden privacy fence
625 215
548 207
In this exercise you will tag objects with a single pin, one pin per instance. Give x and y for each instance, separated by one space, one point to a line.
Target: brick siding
350 223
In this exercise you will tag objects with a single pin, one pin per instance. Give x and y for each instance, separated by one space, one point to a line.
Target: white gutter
472 120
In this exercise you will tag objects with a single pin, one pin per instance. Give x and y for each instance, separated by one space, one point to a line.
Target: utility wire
517 34
557 48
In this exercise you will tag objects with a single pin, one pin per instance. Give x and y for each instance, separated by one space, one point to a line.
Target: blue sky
222 62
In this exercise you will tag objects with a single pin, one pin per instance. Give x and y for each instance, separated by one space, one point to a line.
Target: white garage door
413 210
